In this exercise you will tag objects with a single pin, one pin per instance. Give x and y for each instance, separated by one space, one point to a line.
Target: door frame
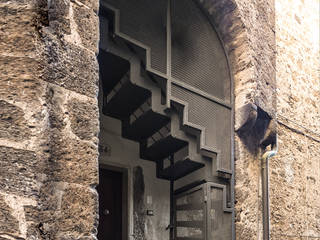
127 197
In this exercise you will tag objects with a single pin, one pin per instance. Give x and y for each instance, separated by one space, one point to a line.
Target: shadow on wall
256 129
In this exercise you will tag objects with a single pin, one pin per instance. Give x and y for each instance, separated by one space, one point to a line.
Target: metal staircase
159 137
142 98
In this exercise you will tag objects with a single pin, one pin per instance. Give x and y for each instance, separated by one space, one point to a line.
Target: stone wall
295 171
48 119
247 29
49 115
273 48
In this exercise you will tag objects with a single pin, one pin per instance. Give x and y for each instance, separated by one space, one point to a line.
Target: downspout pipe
265 190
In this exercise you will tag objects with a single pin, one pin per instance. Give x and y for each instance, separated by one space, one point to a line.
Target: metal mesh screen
197 54
219 221
145 21
214 117
190 216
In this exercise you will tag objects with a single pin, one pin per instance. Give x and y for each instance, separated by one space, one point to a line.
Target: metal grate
197 54
190 215
214 117
218 221
145 21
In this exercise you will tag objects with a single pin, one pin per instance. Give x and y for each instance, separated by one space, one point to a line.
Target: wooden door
110 205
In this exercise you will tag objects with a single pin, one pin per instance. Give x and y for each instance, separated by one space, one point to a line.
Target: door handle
170 226
106 212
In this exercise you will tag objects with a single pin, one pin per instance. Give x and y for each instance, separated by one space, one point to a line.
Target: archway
165 77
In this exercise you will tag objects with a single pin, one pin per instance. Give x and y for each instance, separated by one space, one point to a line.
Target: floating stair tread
112 69
180 169
197 237
163 148
126 101
146 125
198 224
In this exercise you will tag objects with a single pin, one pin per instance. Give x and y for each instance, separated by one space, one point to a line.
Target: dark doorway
110 205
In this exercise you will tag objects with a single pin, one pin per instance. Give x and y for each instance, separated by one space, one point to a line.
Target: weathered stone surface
288 185
8 223
12 66
93 4
13 124
19 172
87 26
84 118
17 30
19 81
67 153
313 189
68 156
298 57
71 67
58 15
69 208
33 49
247 170
78 210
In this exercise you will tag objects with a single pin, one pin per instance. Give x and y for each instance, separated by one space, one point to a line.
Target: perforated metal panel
214 117
145 21
190 217
197 54
218 222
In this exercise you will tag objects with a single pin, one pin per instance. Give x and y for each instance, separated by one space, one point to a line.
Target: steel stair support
196 130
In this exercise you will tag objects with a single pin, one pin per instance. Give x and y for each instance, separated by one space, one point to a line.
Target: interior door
110 205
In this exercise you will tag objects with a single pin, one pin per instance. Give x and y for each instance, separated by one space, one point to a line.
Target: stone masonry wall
295 171
49 116
273 48
48 119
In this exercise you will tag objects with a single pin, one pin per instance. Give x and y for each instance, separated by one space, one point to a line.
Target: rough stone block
18 67
71 67
69 211
19 172
8 223
313 189
17 31
13 124
59 16
93 4
87 26
78 211
84 118
73 161
288 184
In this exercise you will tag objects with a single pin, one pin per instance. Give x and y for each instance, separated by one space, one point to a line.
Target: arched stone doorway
165 77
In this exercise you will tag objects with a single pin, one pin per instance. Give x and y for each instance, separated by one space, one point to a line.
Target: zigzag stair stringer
194 129
198 131
133 41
